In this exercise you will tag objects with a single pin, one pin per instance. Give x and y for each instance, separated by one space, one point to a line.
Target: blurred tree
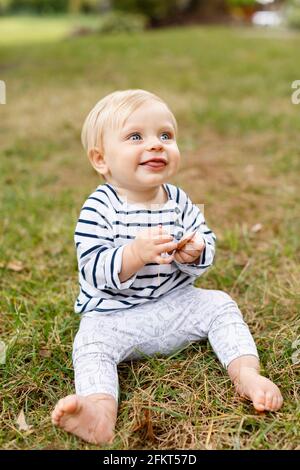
155 10
38 6
88 6
75 6
54 6
242 3
4 4
203 10
159 12
174 11
243 10
292 13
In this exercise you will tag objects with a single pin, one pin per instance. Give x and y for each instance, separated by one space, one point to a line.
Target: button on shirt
107 223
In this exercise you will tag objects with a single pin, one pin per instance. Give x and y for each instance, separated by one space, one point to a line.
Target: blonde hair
112 111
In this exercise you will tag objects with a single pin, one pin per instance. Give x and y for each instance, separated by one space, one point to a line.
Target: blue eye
135 137
165 136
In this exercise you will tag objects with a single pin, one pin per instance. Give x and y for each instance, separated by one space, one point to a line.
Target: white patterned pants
161 326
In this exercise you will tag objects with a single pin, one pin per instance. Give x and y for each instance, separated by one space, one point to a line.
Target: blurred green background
42 20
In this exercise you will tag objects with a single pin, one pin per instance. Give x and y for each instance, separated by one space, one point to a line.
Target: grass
41 29
230 90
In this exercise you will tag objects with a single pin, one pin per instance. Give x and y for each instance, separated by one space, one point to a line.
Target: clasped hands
189 248
156 245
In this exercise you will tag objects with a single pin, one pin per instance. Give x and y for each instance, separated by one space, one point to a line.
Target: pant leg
103 341
193 314
94 361
216 315
162 326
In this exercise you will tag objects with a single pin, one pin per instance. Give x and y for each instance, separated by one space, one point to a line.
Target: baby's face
148 135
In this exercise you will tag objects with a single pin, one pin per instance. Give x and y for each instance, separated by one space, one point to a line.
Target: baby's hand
190 251
149 245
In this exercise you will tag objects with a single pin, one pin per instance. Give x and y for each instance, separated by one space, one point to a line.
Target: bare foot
92 418
264 394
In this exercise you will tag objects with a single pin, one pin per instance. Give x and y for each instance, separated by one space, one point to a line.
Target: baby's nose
155 144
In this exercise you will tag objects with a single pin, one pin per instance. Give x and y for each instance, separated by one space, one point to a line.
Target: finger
182 257
195 246
178 257
182 243
159 232
166 260
159 239
166 247
189 249
198 243
185 240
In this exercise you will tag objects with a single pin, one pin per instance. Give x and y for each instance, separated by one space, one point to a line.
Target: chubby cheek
175 153
127 164
175 161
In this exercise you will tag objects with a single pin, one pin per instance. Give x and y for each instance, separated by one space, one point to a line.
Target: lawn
40 29
239 137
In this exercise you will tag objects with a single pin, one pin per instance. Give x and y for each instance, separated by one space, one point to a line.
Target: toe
66 405
55 416
279 402
73 404
274 405
69 404
259 406
269 400
259 401
59 407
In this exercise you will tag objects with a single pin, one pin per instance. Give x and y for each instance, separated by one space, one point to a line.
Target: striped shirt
107 223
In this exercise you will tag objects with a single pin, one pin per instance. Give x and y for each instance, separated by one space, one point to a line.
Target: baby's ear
97 160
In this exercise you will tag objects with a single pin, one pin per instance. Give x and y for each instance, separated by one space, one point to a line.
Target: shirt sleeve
99 261
193 220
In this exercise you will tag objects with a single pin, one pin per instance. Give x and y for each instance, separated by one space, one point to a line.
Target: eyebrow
137 128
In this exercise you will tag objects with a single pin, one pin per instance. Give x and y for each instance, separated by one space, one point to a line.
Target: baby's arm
193 221
99 260
131 264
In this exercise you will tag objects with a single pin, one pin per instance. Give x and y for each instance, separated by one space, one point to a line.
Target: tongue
155 164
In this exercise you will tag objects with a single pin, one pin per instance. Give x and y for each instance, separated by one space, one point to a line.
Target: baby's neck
156 195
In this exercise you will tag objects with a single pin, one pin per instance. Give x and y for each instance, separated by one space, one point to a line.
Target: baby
141 243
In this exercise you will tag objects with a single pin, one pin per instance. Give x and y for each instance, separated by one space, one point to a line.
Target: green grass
39 29
230 91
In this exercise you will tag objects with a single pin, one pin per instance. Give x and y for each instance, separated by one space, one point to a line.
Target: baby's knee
93 347
224 310
221 300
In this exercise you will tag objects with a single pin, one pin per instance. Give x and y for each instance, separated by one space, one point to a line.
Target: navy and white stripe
107 223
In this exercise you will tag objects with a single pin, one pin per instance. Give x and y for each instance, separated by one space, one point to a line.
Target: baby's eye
165 136
135 136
